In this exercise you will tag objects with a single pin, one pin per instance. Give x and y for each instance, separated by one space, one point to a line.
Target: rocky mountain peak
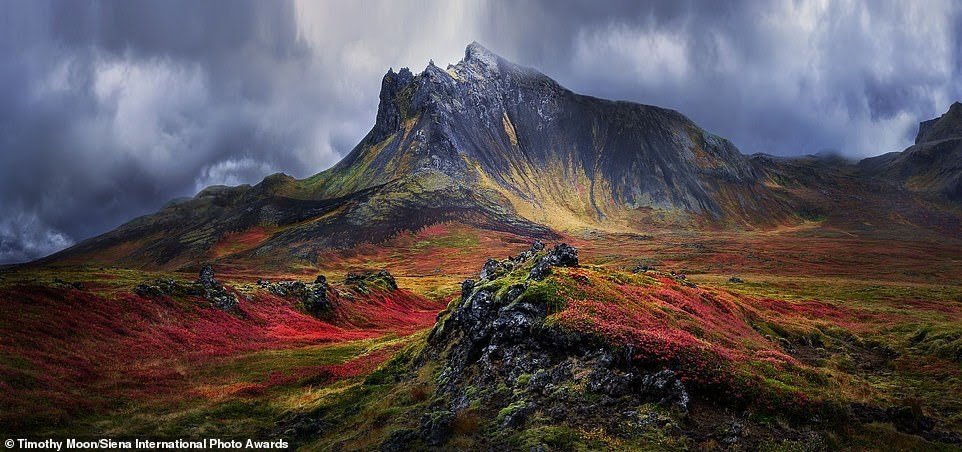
489 119
388 115
944 127
478 56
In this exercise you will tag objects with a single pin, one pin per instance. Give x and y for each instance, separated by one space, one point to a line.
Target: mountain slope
552 152
484 142
933 164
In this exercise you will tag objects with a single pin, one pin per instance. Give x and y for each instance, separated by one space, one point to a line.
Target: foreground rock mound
500 356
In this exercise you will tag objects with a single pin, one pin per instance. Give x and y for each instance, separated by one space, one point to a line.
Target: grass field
818 314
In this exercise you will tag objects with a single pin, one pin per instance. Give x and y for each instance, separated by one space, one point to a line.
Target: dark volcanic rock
214 291
563 255
362 281
206 277
65 284
313 297
167 287
498 353
932 165
493 269
145 290
436 427
466 287
205 287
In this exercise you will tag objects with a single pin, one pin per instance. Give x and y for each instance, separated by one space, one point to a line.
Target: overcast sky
110 109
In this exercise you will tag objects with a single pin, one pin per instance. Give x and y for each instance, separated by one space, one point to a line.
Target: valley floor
877 318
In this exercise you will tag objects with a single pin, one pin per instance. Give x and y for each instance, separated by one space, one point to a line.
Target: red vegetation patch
309 375
239 241
70 351
711 338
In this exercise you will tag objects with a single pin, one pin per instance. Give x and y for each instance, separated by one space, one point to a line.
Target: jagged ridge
490 123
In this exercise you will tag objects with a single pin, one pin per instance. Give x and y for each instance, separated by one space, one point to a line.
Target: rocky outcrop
562 255
932 165
499 354
205 287
364 281
945 127
214 291
313 296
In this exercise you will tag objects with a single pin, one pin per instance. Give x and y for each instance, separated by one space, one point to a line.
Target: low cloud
231 172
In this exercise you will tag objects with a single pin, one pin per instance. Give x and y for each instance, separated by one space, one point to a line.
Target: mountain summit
484 142
933 164
560 158
945 127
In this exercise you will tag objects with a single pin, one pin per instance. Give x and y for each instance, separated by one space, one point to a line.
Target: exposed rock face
498 352
487 118
562 255
945 127
933 164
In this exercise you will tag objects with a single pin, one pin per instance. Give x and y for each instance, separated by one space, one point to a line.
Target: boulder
361 281
563 255
312 296
466 287
206 277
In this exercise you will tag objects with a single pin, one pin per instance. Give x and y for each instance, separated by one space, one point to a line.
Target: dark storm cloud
110 109
780 77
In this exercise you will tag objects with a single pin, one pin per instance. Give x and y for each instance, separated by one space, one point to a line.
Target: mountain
489 123
502 147
484 142
933 164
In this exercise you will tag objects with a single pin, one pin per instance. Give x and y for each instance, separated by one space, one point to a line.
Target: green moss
556 437
523 380
546 292
511 409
